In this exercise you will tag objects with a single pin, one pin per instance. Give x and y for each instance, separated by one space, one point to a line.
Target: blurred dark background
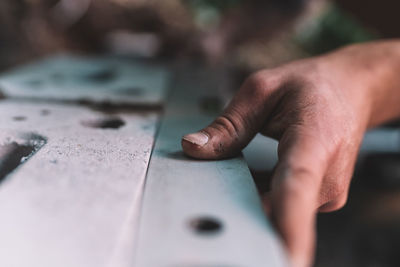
241 37
252 33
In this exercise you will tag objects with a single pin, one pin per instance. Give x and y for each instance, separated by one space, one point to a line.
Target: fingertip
212 150
198 138
190 149
195 145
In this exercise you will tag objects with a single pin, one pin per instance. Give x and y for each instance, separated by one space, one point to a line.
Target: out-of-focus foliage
209 12
332 29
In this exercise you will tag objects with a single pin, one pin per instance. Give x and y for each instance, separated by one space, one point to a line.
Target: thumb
228 134
223 138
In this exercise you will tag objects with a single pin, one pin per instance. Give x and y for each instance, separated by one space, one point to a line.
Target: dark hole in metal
11 156
205 225
108 123
14 154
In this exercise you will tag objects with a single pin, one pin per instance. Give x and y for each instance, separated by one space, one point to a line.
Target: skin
318 109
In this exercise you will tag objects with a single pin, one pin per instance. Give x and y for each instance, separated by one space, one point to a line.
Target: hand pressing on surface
318 109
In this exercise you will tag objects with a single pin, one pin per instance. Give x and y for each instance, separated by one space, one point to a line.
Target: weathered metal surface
74 202
73 78
200 213
72 178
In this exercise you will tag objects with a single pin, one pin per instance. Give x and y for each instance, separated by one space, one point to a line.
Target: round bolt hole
206 225
109 123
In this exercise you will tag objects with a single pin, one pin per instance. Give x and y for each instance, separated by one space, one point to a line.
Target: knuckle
226 125
299 191
307 167
301 182
256 79
224 134
242 120
302 172
257 83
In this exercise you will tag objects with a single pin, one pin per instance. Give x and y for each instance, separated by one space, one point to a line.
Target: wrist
367 74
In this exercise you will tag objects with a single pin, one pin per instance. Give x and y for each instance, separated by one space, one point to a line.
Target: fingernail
198 138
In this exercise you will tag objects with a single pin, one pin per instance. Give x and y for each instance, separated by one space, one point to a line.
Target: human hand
318 109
